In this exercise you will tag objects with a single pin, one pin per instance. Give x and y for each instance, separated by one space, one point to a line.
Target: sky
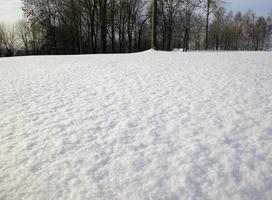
260 7
10 10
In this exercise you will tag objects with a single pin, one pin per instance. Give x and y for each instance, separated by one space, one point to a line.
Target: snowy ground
153 125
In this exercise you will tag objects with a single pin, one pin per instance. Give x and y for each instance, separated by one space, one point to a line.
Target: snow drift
152 125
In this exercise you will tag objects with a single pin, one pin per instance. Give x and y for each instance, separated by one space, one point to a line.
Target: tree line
124 26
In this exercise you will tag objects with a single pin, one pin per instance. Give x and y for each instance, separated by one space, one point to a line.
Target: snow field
151 125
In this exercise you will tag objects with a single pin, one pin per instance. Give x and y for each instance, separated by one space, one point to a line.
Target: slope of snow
152 125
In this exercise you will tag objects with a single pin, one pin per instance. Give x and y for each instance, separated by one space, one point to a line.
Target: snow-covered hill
152 125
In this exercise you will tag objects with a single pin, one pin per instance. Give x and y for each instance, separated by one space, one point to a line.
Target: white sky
10 10
260 7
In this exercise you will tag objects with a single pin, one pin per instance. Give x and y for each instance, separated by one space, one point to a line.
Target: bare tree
8 37
209 7
103 24
217 27
154 25
24 34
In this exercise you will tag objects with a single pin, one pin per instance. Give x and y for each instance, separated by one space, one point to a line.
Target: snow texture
152 125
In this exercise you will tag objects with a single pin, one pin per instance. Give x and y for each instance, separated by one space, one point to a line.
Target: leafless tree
23 30
8 38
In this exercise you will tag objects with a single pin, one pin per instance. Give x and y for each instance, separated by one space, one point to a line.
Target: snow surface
152 125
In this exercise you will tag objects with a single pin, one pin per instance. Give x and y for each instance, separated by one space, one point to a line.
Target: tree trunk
103 25
207 25
26 48
112 26
154 25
